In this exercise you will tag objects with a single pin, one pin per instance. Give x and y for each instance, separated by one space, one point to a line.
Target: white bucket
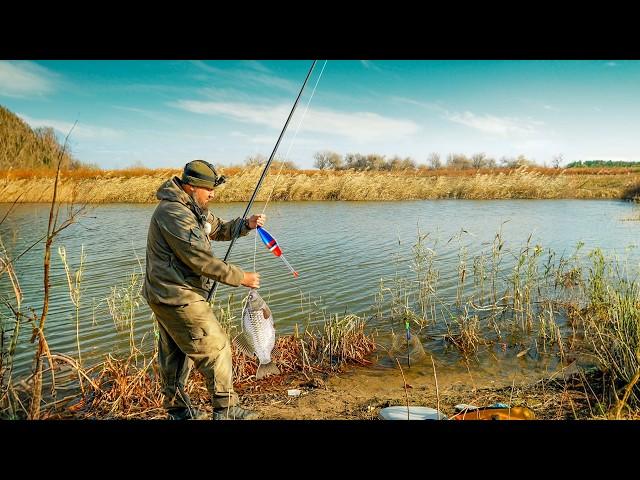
399 412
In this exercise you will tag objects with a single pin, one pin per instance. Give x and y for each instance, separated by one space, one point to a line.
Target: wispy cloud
270 140
84 131
428 105
254 64
22 79
504 126
255 74
359 126
491 124
611 64
154 115
368 64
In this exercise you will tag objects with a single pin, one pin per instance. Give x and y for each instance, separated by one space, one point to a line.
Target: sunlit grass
139 185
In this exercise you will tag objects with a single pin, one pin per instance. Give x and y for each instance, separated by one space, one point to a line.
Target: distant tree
327 160
434 161
458 161
375 162
602 163
255 160
519 161
523 161
284 164
356 161
478 160
336 162
557 161
259 159
398 163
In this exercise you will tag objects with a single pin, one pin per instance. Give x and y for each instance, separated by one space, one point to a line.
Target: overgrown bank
140 185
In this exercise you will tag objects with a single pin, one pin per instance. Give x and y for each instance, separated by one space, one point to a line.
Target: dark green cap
201 174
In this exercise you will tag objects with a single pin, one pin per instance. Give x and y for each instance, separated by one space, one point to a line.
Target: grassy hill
24 147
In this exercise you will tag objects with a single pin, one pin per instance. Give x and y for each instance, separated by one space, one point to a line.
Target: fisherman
179 274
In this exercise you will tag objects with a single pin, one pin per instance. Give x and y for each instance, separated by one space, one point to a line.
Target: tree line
329 160
602 164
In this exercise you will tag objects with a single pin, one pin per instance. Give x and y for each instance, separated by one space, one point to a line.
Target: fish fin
267 369
241 342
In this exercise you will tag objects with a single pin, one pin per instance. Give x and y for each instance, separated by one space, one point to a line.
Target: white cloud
504 126
257 73
154 115
427 105
256 66
359 126
368 64
84 131
22 79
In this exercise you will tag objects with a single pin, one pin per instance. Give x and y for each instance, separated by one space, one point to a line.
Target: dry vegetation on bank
139 185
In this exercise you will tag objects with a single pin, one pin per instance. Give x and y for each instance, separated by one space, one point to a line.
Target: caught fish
259 335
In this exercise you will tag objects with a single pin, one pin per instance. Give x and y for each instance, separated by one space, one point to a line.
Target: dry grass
139 185
127 388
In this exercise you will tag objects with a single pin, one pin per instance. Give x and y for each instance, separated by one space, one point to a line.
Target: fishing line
239 224
294 136
275 182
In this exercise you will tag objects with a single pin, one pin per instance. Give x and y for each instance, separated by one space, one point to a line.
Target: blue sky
163 113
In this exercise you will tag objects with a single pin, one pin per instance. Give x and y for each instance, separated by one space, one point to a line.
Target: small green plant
123 302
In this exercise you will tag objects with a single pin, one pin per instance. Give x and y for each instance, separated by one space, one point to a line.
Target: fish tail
267 369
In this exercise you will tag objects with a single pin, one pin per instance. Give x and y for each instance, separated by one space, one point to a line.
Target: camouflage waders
190 336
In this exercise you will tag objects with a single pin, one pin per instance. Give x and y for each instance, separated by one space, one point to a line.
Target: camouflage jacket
180 264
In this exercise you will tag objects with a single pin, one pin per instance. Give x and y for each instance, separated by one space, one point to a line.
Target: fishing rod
236 231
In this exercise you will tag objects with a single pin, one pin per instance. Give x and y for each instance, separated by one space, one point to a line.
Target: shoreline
523 183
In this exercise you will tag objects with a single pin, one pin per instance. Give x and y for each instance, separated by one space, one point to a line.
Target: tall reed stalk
74 282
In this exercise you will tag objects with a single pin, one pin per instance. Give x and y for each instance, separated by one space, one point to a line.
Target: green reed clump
74 282
524 284
426 277
465 333
527 295
612 325
124 302
462 274
345 340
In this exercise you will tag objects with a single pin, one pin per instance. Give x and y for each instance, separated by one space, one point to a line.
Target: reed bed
582 308
140 185
128 388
